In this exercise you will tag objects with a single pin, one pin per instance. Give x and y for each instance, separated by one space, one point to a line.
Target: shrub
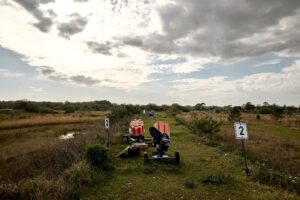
40 188
234 114
205 125
189 184
218 179
96 155
277 113
274 178
117 113
173 110
78 176
9 191
27 106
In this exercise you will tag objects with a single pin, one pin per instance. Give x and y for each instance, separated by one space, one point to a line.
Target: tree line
105 105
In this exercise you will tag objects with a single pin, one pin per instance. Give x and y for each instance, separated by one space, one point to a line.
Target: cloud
33 6
104 48
130 44
255 86
52 74
227 30
269 62
74 26
8 73
84 80
35 89
81 1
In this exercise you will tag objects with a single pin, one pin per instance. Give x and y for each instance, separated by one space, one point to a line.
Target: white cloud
269 62
101 43
35 89
221 90
73 57
8 73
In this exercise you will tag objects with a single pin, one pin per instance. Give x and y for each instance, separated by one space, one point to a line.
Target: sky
221 52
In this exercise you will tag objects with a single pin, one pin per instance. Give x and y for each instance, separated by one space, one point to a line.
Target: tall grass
279 153
46 120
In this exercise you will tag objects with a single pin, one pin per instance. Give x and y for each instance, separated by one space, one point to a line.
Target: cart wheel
125 139
141 138
177 157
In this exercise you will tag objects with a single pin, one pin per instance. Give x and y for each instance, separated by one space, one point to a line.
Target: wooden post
244 152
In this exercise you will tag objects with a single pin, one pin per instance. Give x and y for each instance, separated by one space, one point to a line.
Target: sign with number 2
241 131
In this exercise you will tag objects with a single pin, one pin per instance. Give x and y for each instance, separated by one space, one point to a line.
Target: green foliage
189 184
173 110
117 113
78 176
96 155
234 114
218 179
274 178
199 106
249 106
40 188
27 106
205 125
264 110
277 113
218 110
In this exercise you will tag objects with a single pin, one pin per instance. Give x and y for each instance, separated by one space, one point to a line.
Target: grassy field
36 163
31 146
274 143
134 180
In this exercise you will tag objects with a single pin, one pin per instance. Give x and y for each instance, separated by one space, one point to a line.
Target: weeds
206 125
189 184
275 178
218 179
96 155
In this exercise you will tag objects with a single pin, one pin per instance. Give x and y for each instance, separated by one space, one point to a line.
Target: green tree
234 114
199 106
206 125
249 106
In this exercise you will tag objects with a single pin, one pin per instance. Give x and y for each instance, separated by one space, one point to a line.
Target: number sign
241 131
106 123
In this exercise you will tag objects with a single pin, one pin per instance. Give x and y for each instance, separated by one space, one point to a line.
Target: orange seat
137 127
163 127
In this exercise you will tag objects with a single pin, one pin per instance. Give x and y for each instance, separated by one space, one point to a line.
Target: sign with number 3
241 131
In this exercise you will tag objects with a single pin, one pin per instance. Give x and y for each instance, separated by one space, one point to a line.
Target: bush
27 106
274 178
9 191
234 114
277 113
96 155
117 113
189 184
40 188
78 176
173 110
218 179
205 125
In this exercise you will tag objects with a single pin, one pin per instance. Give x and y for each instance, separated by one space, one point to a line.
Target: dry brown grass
282 154
290 121
51 119
44 157
277 144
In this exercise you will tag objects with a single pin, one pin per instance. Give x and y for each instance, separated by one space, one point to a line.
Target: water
67 136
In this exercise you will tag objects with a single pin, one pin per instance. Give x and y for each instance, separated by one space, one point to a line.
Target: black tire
125 139
177 158
141 138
